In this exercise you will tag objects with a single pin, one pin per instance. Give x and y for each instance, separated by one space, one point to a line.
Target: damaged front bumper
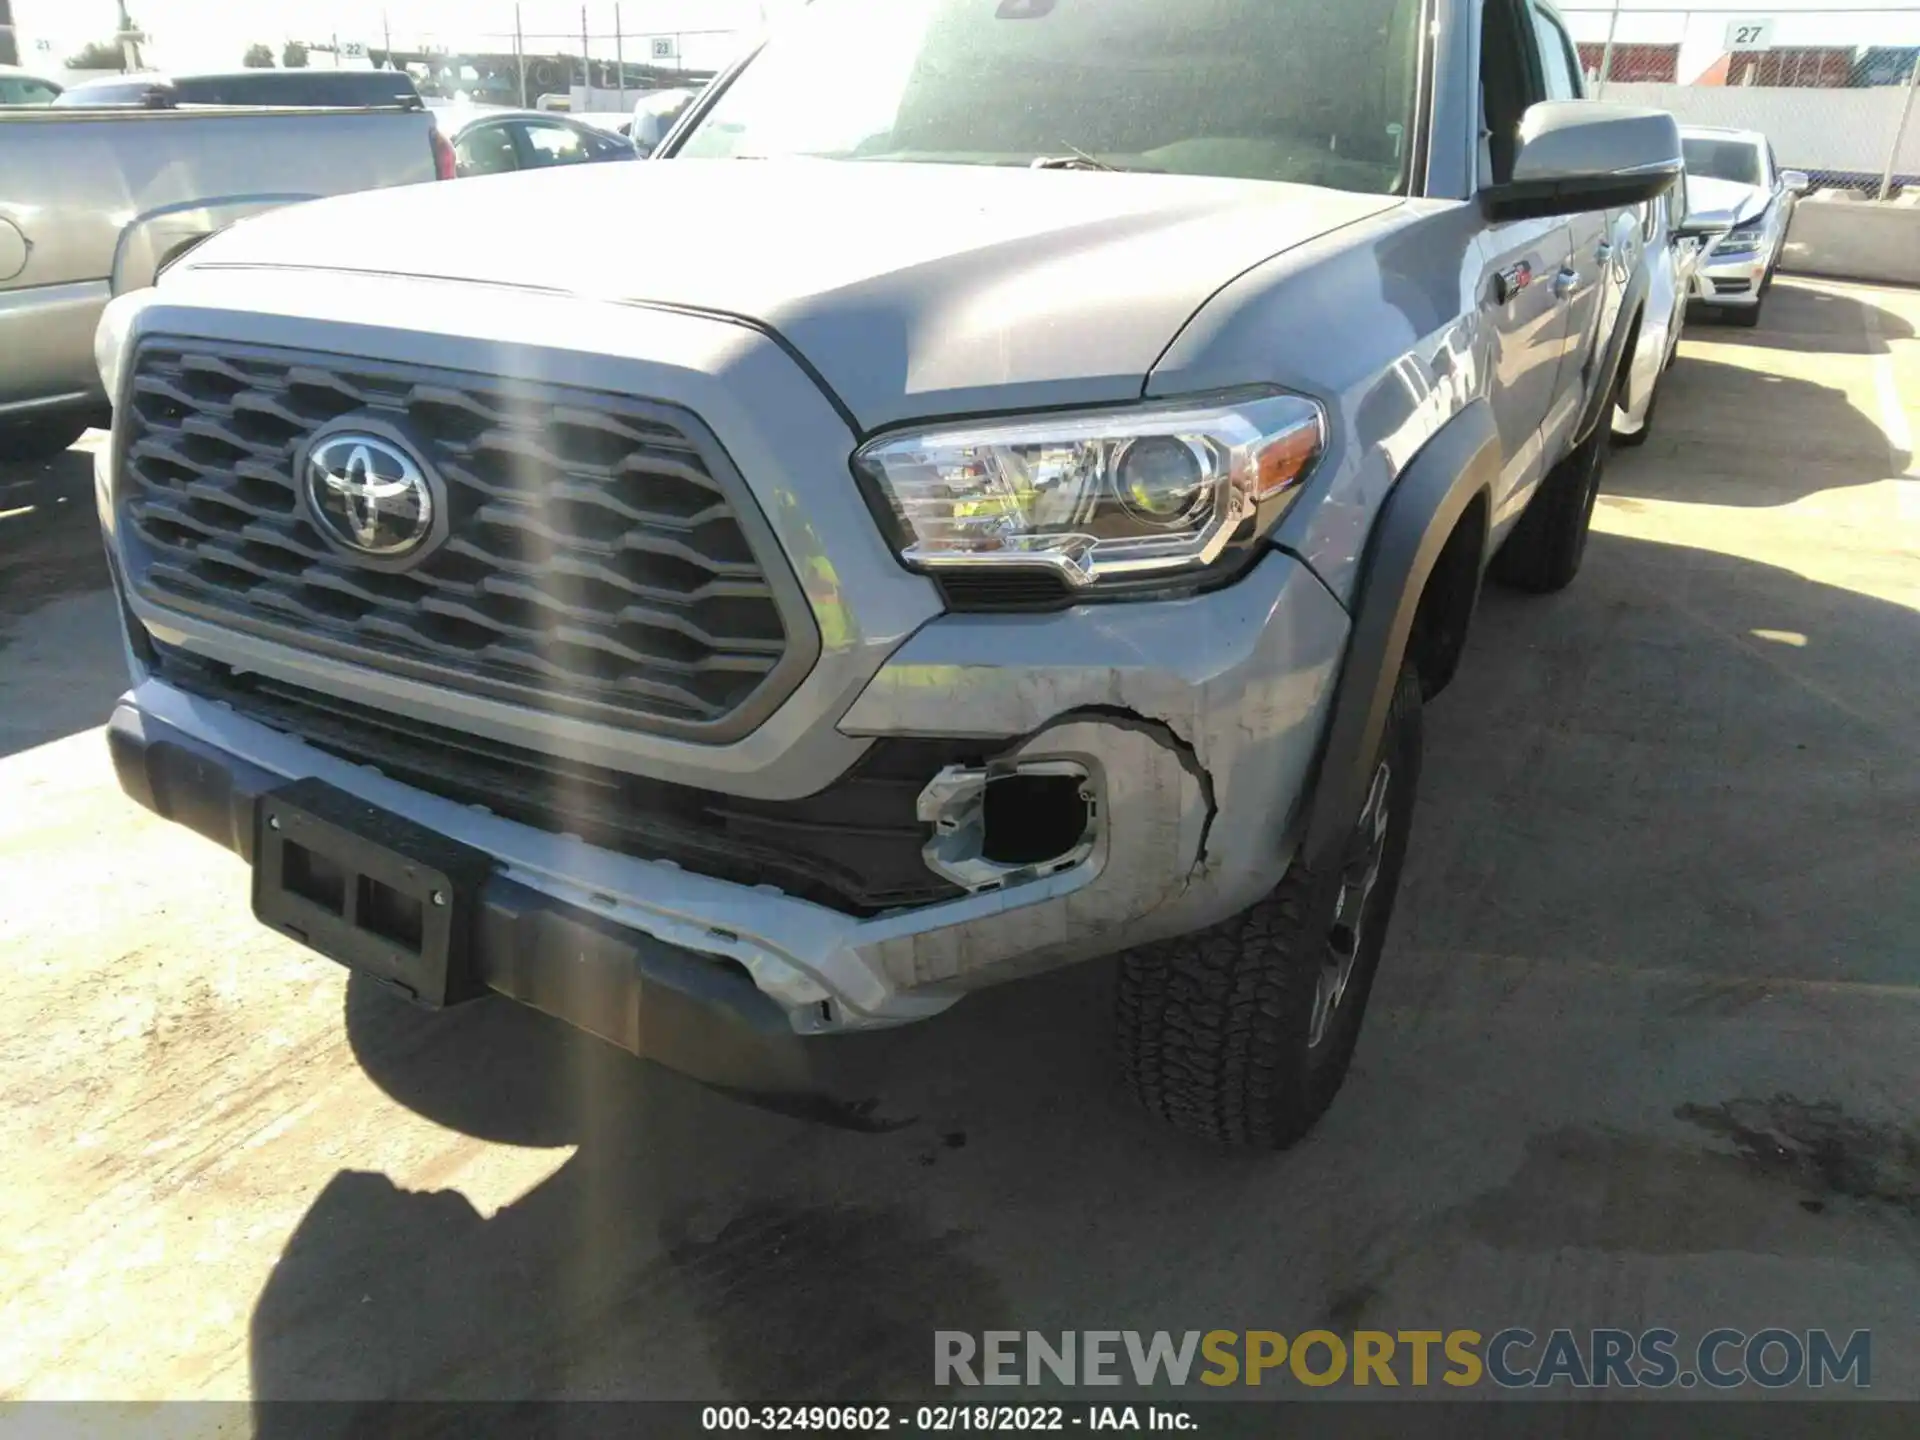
1186 728
1177 737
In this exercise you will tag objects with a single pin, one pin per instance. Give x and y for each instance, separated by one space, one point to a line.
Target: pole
1900 130
336 49
520 55
586 65
1606 56
620 52
386 34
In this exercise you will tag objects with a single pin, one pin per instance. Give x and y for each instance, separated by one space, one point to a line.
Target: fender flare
1632 302
1421 511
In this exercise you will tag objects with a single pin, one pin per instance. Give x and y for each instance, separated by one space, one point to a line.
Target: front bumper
1197 722
1730 280
648 997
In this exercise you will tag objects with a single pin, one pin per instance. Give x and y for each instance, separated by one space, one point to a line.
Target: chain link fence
1832 88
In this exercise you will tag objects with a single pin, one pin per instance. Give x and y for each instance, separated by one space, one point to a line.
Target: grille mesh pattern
594 560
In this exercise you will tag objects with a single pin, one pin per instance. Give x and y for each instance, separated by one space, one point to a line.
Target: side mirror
1797 182
1691 229
1583 155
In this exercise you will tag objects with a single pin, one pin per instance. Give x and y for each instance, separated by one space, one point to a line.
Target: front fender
1426 503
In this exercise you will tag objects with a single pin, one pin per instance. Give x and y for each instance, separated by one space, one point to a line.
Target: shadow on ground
1640 826
61 664
1728 434
1798 315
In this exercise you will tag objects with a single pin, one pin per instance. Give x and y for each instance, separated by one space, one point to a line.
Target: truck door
1520 298
1602 250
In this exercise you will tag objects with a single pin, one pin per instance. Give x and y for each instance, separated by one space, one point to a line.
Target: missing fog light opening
997 825
1031 819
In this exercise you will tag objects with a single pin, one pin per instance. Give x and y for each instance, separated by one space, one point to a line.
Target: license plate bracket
369 889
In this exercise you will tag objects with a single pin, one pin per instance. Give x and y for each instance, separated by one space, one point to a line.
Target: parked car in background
654 114
21 87
323 88
726 634
1672 241
1734 180
497 142
614 122
94 203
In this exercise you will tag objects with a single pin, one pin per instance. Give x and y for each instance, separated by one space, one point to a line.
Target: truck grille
854 847
601 556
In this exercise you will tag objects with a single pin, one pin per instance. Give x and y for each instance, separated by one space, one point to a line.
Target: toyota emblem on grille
368 494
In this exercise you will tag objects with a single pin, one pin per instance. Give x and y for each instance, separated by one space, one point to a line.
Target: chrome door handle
1564 283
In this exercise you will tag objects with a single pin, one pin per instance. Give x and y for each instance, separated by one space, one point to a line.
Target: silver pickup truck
94 202
1010 516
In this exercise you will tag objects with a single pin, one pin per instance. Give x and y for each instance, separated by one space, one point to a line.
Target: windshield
1735 160
1262 89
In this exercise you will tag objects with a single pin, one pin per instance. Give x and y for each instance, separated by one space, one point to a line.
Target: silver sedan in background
1734 180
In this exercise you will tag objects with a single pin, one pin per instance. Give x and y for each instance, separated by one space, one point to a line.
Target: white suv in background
1733 178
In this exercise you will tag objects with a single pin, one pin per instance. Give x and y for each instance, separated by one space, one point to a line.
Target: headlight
1745 236
1099 498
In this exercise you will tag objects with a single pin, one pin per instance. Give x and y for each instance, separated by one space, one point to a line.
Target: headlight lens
1744 236
1099 498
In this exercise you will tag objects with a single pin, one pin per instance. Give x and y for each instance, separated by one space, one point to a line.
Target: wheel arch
1439 509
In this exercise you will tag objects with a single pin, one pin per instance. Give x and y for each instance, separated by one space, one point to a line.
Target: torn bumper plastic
1191 728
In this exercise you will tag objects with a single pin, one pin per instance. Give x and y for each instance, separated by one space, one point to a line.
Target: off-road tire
29 440
1544 550
1213 1029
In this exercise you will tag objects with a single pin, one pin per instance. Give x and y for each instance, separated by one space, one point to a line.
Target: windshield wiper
1075 159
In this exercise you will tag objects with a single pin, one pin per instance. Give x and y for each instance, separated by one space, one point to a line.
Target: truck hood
1728 200
912 289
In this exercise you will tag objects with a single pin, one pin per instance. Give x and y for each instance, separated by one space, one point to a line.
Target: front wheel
1242 1034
